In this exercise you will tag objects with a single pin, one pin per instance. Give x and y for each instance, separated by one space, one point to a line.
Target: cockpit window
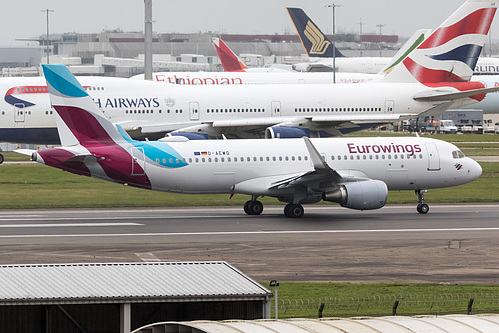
457 154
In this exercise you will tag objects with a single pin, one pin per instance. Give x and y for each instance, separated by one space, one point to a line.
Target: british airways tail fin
79 120
313 40
229 59
450 53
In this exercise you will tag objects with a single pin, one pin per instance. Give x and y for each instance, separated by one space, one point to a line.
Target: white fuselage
151 108
375 65
280 77
253 166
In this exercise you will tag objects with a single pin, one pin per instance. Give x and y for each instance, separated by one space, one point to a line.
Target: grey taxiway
455 243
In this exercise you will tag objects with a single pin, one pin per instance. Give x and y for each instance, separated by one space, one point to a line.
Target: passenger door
433 157
19 112
194 111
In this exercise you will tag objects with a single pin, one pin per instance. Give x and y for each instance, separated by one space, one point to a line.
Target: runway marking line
49 225
235 233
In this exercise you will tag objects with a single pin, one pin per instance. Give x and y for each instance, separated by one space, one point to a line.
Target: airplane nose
474 170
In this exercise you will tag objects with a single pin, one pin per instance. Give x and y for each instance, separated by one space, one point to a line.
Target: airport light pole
275 284
360 35
148 40
333 6
48 49
380 26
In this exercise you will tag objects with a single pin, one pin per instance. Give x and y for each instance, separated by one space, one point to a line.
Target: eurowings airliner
320 51
355 172
431 79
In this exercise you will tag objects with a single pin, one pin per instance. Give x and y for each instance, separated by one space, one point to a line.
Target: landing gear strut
422 207
293 210
253 207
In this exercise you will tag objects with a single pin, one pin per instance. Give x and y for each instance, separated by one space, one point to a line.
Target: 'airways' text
127 103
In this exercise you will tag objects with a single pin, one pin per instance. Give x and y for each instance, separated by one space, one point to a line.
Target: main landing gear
253 206
293 210
422 207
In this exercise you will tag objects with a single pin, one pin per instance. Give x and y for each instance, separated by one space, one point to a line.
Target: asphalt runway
456 243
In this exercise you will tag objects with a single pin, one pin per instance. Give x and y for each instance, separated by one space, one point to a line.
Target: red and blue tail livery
451 52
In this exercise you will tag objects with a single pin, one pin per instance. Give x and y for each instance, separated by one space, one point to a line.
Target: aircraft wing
255 127
322 172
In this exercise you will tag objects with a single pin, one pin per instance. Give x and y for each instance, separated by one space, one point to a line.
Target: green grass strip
24 186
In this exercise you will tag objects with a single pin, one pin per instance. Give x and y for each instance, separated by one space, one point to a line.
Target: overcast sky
24 19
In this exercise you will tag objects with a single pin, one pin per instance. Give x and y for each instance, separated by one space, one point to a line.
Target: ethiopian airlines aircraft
355 172
433 78
235 72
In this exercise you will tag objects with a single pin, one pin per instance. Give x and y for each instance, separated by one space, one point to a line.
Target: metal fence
390 304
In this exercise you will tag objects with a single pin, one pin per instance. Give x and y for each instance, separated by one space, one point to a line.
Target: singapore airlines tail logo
319 44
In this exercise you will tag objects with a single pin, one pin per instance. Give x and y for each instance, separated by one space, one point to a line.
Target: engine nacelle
361 195
285 132
190 135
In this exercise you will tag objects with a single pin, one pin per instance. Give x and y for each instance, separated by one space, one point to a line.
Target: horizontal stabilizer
435 96
28 152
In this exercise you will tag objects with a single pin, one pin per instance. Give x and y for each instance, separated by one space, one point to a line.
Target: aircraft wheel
293 211
423 208
246 207
1 159
253 207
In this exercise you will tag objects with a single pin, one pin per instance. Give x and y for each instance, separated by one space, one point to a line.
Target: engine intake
361 195
285 132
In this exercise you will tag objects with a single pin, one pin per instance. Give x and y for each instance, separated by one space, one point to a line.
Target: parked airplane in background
231 62
320 51
355 172
150 109
237 73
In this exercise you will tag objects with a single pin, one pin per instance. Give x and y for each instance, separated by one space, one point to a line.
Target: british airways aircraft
355 172
433 78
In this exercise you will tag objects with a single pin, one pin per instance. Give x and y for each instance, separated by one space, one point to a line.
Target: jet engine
285 132
360 195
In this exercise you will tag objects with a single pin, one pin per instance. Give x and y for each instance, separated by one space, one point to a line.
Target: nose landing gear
422 207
